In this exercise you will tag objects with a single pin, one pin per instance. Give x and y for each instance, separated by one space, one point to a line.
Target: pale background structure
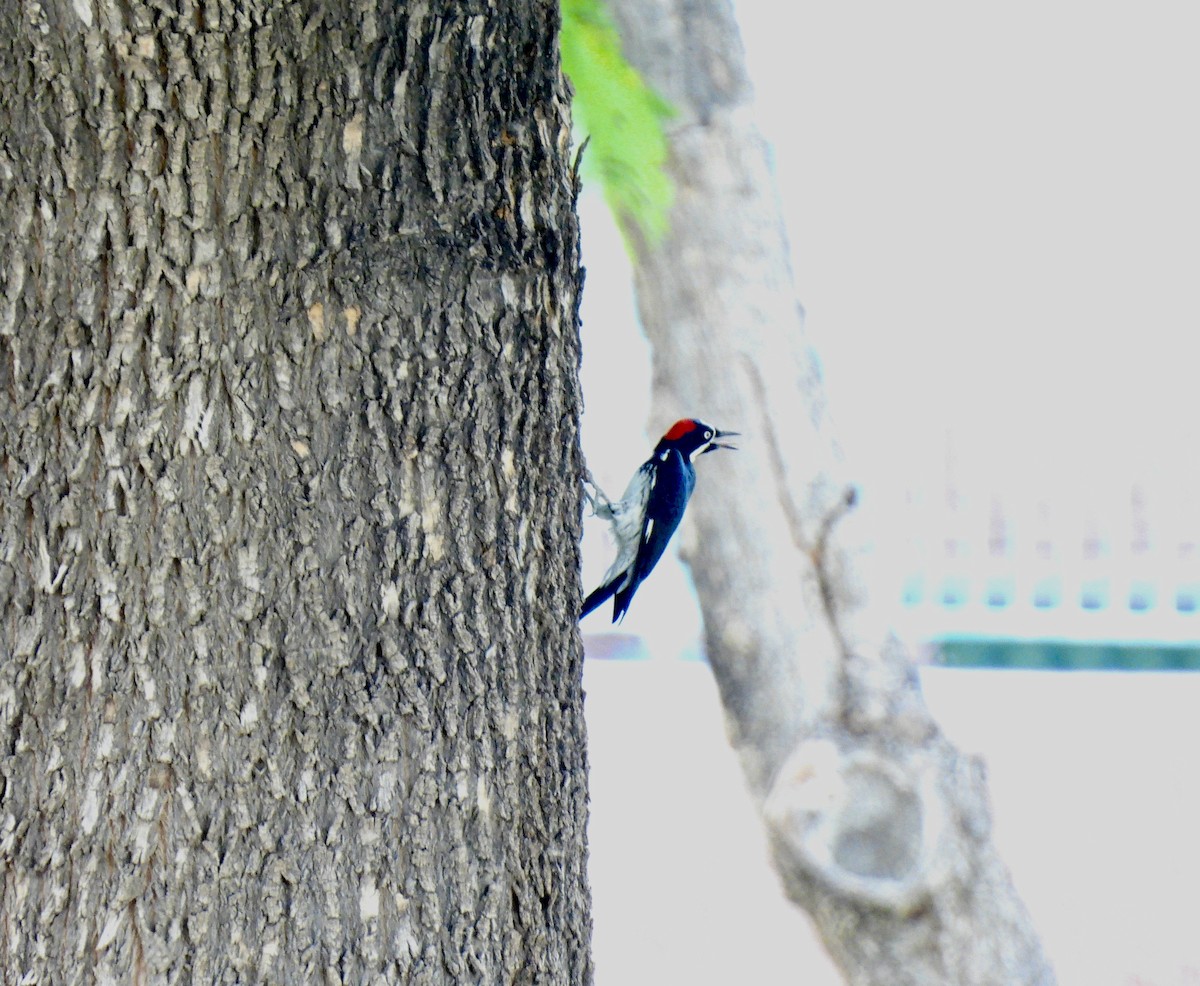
995 220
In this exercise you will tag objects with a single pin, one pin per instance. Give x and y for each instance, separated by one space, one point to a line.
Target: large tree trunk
880 827
290 682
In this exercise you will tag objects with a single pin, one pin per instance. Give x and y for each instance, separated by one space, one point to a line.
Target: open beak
714 444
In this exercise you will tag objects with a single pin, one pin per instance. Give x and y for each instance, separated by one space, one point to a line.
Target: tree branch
880 828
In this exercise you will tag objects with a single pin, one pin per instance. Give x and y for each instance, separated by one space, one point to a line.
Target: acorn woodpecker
646 516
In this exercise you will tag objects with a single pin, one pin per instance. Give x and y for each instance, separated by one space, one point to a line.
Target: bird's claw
601 505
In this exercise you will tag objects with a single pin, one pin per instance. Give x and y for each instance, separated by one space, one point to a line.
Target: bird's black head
692 438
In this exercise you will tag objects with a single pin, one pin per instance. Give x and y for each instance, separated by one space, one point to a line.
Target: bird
645 518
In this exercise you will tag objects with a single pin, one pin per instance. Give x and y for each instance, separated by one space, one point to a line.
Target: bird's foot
601 505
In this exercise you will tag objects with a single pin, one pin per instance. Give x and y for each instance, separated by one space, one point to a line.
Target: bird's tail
599 596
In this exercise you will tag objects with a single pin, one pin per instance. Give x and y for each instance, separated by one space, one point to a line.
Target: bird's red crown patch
680 428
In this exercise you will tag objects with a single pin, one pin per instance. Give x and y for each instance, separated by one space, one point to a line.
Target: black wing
669 494
599 596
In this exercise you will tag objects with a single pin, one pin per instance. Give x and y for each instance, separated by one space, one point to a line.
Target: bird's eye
707 435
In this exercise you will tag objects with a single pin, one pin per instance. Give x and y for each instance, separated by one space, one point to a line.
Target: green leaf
622 117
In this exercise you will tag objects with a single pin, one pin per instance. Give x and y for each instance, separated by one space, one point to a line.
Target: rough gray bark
880 827
289 675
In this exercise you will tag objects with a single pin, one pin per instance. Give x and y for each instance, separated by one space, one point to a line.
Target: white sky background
994 212
1000 204
995 219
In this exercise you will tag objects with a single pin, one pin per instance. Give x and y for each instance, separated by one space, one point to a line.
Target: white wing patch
649 530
